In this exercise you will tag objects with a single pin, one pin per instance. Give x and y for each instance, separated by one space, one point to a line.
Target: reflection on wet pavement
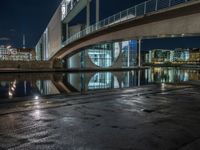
147 117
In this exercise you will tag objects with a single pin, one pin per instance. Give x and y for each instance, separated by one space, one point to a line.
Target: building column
139 52
67 31
97 10
128 54
88 14
139 77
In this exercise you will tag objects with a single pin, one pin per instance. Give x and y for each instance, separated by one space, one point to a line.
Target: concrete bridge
175 20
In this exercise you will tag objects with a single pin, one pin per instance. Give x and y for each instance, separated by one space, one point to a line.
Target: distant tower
24 42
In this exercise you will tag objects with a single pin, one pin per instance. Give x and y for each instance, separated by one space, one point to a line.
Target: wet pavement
153 117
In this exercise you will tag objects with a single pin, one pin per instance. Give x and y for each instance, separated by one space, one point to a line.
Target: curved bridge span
177 20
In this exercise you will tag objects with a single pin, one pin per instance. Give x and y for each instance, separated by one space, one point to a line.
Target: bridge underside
183 20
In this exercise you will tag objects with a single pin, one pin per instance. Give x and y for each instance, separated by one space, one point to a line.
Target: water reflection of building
20 85
125 79
177 56
103 81
46 87
171 75
10 89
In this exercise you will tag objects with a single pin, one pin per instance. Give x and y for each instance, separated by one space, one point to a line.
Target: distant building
180 56
16 54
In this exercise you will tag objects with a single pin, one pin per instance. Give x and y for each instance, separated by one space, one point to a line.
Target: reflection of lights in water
10 93
12 88
157 69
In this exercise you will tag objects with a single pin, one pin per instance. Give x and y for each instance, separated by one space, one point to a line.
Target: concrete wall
50 40
25 65
38 50
75 61
54 32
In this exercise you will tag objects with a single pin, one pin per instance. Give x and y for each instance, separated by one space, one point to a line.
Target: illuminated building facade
177 56
107 55
14 54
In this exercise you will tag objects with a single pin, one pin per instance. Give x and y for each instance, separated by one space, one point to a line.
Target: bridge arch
180 20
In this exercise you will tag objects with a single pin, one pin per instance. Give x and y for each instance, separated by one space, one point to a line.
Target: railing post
156 7
169 3
145 7
136 11
139 52
127 13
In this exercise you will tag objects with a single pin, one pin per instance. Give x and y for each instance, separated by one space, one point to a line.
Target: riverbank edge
14 70
11 70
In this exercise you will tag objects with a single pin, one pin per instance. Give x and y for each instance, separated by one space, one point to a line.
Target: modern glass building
113 54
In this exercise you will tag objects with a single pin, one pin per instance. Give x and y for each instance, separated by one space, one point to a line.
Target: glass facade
104 55
113 54
129 51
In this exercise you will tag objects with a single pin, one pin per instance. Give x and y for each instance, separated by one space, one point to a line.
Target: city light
36 97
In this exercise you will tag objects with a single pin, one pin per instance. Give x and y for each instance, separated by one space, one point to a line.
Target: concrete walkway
155 117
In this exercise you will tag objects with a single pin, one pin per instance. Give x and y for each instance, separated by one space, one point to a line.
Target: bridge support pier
139 52
88 13
139 77
97 10
67 30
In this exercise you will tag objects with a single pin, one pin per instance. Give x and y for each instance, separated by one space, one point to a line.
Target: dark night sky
30 17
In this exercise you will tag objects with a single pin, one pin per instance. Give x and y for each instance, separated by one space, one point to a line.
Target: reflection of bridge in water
85 82
66 83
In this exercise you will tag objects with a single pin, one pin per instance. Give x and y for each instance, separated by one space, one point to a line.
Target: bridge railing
131 13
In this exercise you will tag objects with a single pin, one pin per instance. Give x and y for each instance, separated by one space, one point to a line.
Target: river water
45 84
